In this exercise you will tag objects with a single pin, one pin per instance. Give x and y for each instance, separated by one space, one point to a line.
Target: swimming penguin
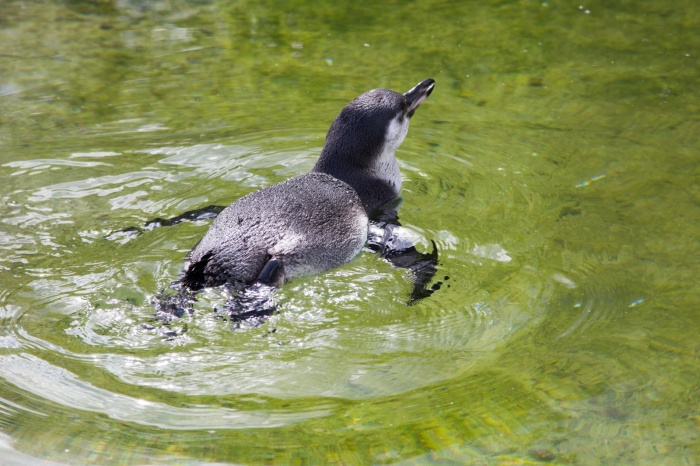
315 221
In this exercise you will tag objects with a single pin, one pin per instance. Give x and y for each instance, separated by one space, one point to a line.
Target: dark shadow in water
253 303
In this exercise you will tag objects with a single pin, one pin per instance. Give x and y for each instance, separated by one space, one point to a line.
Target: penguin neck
377 183
365 158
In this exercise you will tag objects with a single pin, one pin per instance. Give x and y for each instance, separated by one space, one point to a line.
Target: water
555 166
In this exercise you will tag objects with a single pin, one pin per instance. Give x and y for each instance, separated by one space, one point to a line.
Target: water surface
555 166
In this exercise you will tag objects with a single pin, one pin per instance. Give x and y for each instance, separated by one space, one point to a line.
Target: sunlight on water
554 167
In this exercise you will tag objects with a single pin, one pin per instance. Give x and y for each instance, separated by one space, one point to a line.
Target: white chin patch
386 166
396 133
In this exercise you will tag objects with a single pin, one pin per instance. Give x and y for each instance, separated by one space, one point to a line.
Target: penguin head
372 125
363 139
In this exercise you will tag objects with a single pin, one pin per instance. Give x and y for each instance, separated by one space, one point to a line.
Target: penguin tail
194 277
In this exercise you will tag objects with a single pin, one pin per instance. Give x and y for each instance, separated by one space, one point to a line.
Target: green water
555 166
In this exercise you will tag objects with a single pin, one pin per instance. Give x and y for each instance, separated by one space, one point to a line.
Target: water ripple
60 386
85 337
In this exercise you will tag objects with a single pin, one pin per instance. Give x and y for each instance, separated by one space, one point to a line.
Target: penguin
315 221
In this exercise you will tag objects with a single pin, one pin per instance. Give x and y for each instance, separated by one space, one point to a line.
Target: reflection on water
555 169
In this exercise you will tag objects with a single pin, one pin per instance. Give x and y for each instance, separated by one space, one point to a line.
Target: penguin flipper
272 273
196 215
422 265
253 304
396 246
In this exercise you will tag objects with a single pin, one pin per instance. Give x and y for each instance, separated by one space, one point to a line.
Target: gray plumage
310 223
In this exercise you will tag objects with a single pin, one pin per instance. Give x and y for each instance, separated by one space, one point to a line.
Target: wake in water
252 304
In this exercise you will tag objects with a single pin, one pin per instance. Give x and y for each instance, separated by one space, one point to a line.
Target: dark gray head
363 138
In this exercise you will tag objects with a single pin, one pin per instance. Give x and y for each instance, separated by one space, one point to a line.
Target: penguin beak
418 94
